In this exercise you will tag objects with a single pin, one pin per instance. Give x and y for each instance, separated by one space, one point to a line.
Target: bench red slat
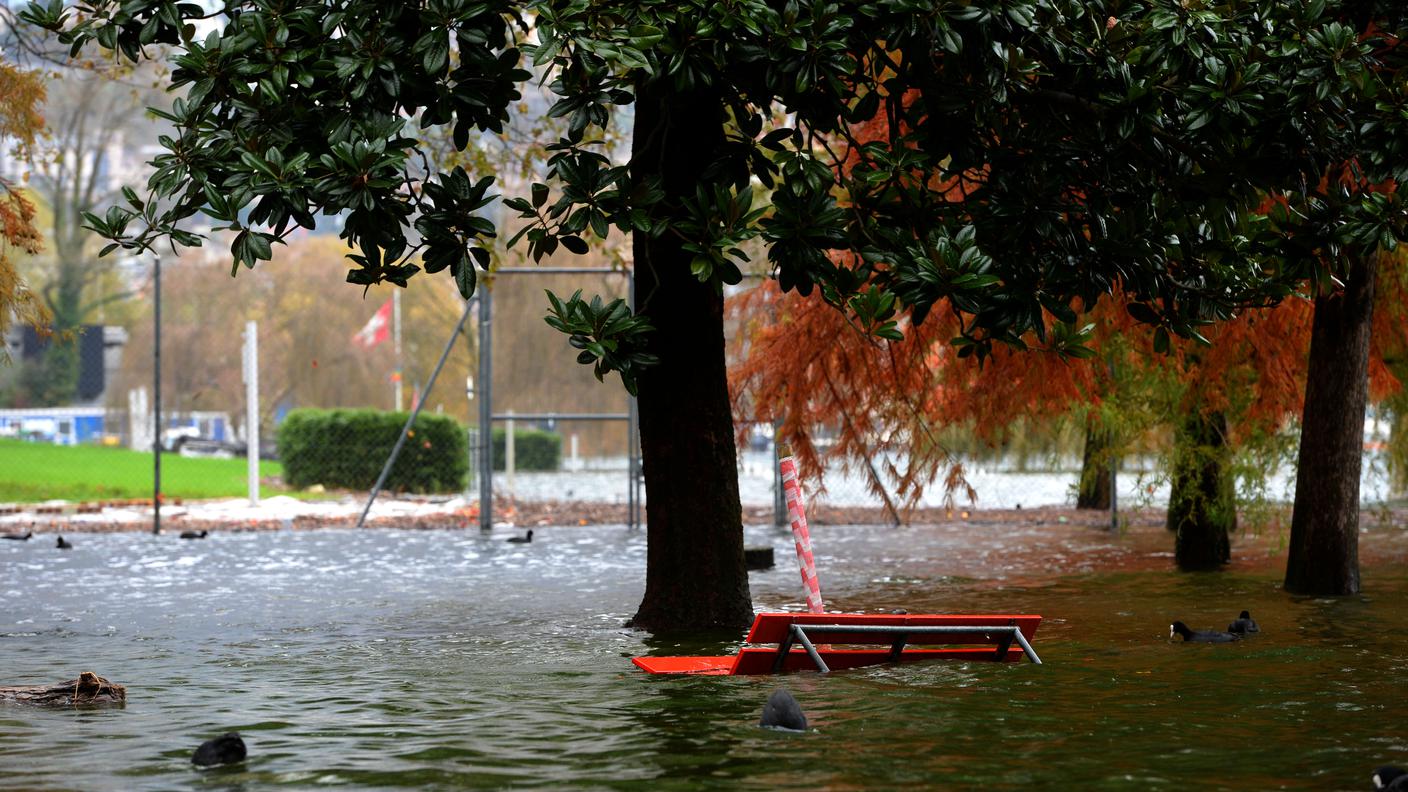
760 660
697 665
773 627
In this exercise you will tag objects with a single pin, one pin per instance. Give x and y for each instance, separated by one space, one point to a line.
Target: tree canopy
1024 159
21 93
1104 147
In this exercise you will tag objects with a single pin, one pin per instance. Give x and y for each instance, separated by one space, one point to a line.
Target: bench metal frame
1002 636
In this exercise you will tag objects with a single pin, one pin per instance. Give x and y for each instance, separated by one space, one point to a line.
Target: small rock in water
226 749
758 558
783 712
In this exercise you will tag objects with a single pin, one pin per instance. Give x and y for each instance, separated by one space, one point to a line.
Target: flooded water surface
448 659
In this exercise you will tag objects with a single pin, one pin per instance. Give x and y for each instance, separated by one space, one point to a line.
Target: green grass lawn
38 471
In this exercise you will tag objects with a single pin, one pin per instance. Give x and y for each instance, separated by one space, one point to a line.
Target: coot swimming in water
1244 624
1389 777
225 749
194 534
62 545
522 539
24 537
783 712
1192 636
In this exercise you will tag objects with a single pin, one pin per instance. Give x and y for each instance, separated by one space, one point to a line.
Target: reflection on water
380 659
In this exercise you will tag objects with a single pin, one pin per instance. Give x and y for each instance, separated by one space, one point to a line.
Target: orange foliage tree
21 94
799 363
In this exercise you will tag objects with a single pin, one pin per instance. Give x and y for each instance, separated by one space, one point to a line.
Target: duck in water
226 749
522 539
194 534
1243 624
1192 636
1391 778
63 545
24 537
783 712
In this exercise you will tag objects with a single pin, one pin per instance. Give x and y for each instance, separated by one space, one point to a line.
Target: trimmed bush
345 449
533 449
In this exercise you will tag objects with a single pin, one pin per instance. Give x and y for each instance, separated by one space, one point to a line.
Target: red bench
808 640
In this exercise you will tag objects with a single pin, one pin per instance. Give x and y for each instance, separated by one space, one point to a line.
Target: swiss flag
377 329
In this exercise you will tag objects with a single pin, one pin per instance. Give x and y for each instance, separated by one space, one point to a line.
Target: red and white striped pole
797 515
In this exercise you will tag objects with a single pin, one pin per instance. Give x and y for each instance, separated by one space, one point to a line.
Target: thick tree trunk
695 575
1324 557
1202 503
1094 489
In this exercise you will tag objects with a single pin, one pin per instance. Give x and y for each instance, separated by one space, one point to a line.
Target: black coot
1392 778
1244 624
225 749
1192 636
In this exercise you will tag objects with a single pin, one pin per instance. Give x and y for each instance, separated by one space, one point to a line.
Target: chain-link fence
572 437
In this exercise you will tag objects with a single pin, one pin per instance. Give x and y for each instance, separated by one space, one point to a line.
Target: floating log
89 688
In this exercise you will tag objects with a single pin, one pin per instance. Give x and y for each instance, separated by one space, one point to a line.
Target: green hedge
533 449
345 449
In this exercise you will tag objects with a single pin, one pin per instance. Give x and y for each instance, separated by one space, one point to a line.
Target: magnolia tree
1097 148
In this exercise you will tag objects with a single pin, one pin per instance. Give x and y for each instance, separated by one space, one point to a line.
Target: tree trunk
695 574
1094 488
1324 557
1202 503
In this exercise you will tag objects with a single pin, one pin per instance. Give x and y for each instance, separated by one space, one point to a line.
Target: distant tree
306 354
21 94
98 125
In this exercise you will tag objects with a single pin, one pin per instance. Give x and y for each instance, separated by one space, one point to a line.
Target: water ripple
384 660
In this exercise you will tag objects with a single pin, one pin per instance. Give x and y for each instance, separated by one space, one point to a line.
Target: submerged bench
806 641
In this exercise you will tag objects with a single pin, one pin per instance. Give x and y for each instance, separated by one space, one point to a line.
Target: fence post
471 440
411 419
633 460
156 414
486 403
251 413
396 342
508 453
779 499
1114 478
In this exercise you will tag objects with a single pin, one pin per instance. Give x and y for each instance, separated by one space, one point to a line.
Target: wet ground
383 659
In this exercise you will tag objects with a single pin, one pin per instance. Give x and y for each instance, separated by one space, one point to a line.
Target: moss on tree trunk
1202 506
1094 490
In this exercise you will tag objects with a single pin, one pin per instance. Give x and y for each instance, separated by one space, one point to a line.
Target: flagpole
396 338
